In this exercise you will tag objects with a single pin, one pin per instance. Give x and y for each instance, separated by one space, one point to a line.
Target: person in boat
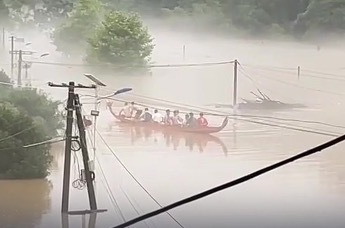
176 119
157 117
192 121
186 118
133 108
136 113
126 111
202 121
167 120
146 116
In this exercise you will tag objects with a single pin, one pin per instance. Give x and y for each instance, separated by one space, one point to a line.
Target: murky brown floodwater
308 193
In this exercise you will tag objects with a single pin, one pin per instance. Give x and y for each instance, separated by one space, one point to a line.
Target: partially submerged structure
262 102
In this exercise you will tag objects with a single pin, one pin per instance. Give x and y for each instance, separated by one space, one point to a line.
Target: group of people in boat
173 118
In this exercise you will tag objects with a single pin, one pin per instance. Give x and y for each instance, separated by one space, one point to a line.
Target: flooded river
307 193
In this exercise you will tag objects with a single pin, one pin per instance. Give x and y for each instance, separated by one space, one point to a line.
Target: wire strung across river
134 178
110 194
128 66
234 182
132 204
293 84
293 71
257 82
106 184
238 117
224 114
211 112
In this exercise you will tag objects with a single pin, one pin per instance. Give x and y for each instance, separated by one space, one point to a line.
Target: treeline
300 18
259 17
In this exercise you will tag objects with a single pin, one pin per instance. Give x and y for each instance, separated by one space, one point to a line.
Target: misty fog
270 65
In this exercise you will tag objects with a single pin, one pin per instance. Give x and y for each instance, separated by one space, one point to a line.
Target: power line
135 179
254 82
16 123
270 67
336 77
332 134
303 121
292 120
234 182
110 194
18 133
128 66
323 73
298 86
238 117
131 203
106 184
51 141
291 127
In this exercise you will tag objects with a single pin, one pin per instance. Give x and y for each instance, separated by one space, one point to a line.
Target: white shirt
177 120
157 117
127 111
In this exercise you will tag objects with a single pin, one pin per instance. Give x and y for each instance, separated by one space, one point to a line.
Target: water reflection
57 152
172 139
27 202
91 223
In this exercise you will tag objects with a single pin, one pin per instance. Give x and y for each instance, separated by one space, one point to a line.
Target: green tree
39 11
202 15
51 11
322 16
38 106
26 117
122 40
4 13
16 162
3 77
71 37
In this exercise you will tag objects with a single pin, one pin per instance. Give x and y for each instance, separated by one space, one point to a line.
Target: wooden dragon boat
169 128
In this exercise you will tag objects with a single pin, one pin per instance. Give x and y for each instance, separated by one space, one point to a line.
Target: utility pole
12 55
73 103
3 38
26 66
82 138
68 150
234 102
184 52
20 60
